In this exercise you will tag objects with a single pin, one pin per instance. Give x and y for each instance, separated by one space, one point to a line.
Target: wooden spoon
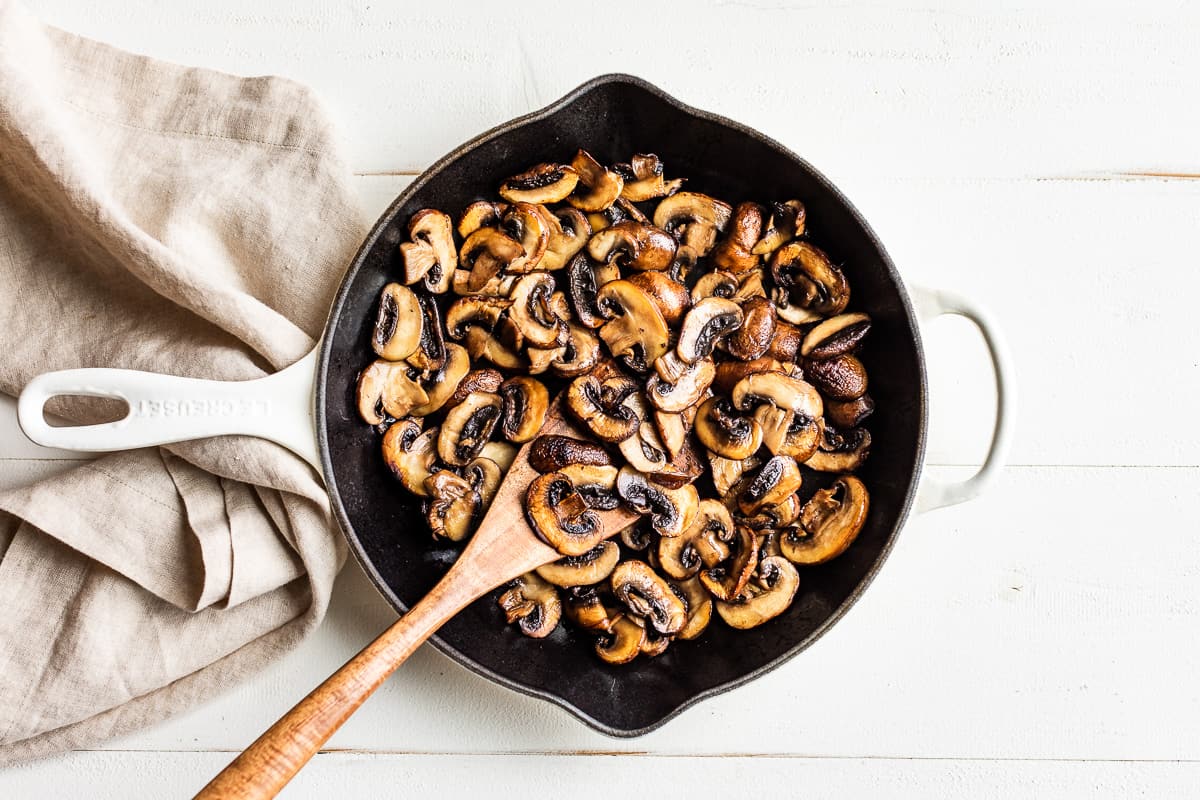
504 547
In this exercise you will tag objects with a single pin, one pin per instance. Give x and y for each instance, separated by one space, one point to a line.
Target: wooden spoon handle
266 766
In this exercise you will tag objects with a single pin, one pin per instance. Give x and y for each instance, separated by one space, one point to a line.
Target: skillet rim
343 293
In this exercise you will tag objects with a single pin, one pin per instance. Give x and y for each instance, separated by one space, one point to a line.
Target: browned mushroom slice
776 515
841 377
484 475
430 353
644 179
754 336
597 484
785 344
786 222
729 373
693 218
599 220
429 255
590 568
811 279
397 330
479 312
542 183
766 597
668 294
655 643
524 410
481 344
775 481
829 523
579 355
623 643
477 380
734 252
584 279
703 544
726 472
726 581
524 224
722 430
849 413
671 511
569 233
584 608
684 264
714 284
688 384
480 214
441 384
705 324
635 332
598 187
600 405
673 428
835 336
385 387
482 256
632 245
533 604
410 454
552 453
647 595
803 438
531 311
468 427
561 515
699 608
778 401
841 451
453 506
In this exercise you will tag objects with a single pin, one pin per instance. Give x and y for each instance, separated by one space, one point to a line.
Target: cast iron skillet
612 116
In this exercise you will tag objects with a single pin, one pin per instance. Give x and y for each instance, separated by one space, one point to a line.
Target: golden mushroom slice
753 337
850 413
590 568
835 336
597 484
598 188
635 332
410 454
644 179
841 451
477 380
468 427
429 256
766 597
648 596
787 221
561 515
634 246
670 295
734 252
694 219
811 280
772 483
705 324
678 385
430 353
829 523
840 378
699 608
550 453
542 183
671 511
441 384
704 544
585 609
623 643
525 223
728 580
453 506
600 405
482 258
722 430
532 313
485 476
385 387
500 452
569 233
726 472
784 406
533 604
480 214
397 332
524 412
579 355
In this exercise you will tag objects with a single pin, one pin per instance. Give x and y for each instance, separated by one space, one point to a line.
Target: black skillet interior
613 117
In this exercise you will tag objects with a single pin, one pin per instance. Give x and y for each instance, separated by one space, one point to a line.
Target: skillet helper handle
164 409
933 493
266 766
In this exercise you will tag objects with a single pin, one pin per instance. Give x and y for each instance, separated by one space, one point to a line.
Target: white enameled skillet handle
164 409
933 493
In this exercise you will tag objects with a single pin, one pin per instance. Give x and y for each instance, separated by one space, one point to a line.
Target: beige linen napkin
178 220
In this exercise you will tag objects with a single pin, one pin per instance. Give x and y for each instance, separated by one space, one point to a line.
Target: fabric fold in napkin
177 220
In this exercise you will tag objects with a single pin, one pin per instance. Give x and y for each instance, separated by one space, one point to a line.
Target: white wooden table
1041 641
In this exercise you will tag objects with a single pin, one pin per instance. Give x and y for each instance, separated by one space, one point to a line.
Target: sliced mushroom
500 452
632 245
579 355
726 581
687 389
841 452
753 337
766 597
453 505
561 515
671 511
584 279
803 438
789 311
635 332
684 264
429 255
750 286
397 330
726 472
533 604
673 428
723 431
693 218
441 384
786 342
644 451
812 280
600 405
774 482
468 427
835 336
729 373
703 544
532 313
483 255
647 595
430 354
524 409
410 454
599 220
584 608
734 252
553 452
776 515
569 233
714 284
782 403
468 312
481 344
590 568
499 285
668 294
542 183
705 324
484 475
829 523
644 179
524 223
623 643
598 187
477 380
840 378
597 484
385 386
480 214
849 413
699 608
786 222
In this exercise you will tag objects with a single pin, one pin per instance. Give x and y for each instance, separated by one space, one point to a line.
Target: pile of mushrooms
708 350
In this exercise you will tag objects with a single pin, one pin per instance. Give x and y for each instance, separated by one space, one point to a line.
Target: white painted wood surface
1039 641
